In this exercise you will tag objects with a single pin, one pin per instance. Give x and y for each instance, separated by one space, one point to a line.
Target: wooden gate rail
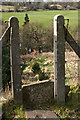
72 42
5 37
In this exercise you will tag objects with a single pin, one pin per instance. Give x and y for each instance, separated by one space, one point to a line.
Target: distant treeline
34 6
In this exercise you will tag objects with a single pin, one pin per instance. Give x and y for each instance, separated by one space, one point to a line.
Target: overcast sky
40 0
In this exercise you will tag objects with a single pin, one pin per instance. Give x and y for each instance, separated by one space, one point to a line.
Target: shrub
42 76
37 70
23 66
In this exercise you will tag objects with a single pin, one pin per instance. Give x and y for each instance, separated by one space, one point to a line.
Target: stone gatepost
59 59
79 46
15 59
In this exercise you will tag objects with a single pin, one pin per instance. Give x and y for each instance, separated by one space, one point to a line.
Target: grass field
44 17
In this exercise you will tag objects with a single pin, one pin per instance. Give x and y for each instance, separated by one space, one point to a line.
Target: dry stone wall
38 93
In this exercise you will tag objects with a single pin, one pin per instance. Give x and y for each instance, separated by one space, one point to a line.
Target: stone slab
41 115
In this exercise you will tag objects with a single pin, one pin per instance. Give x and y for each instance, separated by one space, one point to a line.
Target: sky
40 0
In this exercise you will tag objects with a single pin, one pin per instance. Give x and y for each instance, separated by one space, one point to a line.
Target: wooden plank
5 37
72 42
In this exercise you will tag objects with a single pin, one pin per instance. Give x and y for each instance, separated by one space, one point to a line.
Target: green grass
44 17
13 111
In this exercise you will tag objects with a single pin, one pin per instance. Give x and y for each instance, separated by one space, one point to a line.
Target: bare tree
35 35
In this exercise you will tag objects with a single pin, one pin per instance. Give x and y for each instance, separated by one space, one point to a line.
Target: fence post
59 59
79 46
15 59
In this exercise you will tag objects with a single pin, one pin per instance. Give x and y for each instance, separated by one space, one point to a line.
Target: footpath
40 115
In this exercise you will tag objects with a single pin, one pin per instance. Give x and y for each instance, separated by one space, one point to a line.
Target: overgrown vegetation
69 110
37 70
6 77
13 111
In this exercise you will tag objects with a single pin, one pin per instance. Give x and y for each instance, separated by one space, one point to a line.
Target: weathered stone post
79 46
59 59
0 67
15 59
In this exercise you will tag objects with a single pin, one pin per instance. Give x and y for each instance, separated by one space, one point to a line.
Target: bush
23 66
42 76
37 70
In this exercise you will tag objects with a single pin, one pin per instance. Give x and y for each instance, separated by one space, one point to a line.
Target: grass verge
13 111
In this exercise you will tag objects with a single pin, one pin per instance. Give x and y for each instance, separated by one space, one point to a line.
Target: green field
44 17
